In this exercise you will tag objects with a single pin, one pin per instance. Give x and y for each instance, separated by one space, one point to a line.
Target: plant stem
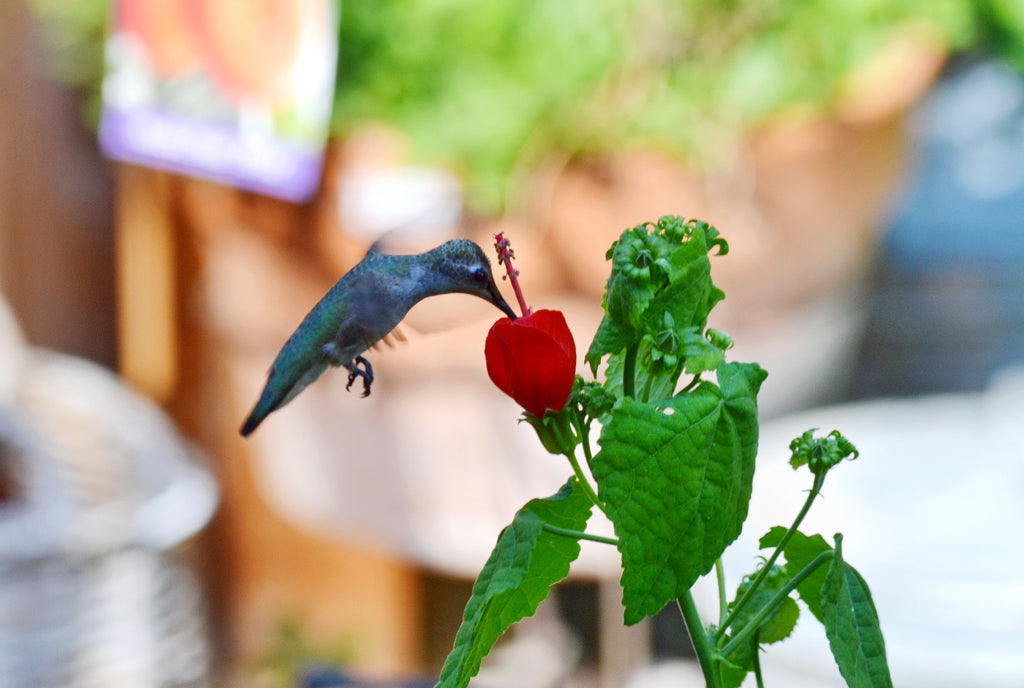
587 452
756 661
819 480
583 481
775 601
647 389
579 535
700 639
723 600
583 430
629 371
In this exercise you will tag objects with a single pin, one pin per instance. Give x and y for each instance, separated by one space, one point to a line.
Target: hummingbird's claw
366 372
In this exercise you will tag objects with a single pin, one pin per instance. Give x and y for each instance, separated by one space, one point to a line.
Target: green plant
674 474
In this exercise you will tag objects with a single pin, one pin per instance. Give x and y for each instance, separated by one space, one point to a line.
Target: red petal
496 352
533 360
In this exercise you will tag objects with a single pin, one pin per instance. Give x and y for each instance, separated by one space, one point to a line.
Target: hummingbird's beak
498 301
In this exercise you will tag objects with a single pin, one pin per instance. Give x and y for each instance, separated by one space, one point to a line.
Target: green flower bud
820 454
592 398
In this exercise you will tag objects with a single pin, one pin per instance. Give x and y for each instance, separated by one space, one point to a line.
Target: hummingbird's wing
391 339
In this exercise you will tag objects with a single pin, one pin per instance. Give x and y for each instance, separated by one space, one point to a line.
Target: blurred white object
675 673
931 513
539 652
424 201
92 591
12 348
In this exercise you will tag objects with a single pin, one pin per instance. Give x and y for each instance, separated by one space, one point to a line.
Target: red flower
533 360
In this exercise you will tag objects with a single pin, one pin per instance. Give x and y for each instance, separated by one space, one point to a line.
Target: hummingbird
362 308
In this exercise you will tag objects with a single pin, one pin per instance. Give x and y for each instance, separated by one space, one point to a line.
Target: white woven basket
94 591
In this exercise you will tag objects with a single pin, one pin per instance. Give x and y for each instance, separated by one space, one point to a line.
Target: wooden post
146 290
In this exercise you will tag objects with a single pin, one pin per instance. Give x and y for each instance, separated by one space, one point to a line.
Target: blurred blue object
948 310
325 677
321 676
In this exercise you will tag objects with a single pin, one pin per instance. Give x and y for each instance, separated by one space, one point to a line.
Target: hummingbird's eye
478 274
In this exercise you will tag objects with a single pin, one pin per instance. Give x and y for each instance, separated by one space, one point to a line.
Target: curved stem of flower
699 638
819 480
583 429
579 535
723 600
583 481
629 371
778 598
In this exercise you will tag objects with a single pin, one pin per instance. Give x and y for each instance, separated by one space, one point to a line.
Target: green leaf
676 482
654 380
688 299
733 672
609 339
799 552
775 627
525 563
851 625
658 371
700 353
780 624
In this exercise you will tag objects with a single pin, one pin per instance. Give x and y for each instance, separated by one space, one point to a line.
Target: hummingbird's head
463 267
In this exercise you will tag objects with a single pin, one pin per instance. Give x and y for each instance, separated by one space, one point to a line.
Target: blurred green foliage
476 85
490 89
73 32
292 654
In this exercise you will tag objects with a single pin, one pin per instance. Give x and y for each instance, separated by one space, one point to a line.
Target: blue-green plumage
364 306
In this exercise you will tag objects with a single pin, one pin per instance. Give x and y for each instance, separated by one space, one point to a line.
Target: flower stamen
505 256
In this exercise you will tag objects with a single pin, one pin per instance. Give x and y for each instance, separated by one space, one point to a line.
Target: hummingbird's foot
366 372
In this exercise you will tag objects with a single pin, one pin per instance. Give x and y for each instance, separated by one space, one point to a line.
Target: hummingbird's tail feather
251 423
267 404
278 391
269 401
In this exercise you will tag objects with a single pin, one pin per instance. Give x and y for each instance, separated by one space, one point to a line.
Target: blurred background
181 181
